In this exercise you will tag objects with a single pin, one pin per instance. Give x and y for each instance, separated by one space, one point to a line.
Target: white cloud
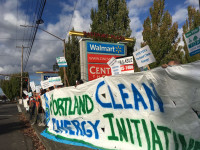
139 39
135 24
136 9
44 53
79 23
194 3
180 31
180 16
66 7
8 69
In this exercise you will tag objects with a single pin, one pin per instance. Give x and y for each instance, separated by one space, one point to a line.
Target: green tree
161 35
11 87
192 22
73 60
112 18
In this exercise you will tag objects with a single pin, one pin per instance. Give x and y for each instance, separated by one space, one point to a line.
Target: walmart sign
105 48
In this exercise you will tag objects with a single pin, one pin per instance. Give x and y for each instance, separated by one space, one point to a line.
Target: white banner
143 56
192 39
32 85
142 111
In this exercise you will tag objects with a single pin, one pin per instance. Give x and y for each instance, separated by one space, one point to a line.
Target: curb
23 111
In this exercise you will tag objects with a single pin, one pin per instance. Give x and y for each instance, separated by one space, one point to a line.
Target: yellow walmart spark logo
118 49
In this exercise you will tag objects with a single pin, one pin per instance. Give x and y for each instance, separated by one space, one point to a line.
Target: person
31 107
41 114
41 111
79 82
171 63
36 100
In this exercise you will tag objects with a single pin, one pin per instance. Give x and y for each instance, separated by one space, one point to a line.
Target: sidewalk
49 144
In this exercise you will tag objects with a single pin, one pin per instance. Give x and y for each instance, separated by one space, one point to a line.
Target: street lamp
64 69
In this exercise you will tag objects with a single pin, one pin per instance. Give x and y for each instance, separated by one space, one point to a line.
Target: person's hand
164 65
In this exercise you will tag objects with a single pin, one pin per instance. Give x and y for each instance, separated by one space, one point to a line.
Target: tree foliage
112 18
73 60
161 35
192 22
11 87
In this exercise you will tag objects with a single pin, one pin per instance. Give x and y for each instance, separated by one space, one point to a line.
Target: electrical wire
32 32
71 18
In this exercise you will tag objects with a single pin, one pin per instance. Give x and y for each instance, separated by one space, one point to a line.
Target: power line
37 15
72 16
1 38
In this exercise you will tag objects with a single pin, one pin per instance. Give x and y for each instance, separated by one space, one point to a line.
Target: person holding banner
171 63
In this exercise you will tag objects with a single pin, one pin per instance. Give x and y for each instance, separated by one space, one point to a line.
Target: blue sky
57 16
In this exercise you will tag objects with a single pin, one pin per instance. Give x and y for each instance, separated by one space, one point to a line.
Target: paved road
11 136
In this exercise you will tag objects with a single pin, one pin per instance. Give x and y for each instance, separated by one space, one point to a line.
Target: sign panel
98 70
45 84
152 110
112 61
61 61
193 41
105 48
25 92
115 69
125 60
144 56
38 89
127 69
92 52
7 78
29 94
115 66
55 81
126 64
97 58
32 85
45 76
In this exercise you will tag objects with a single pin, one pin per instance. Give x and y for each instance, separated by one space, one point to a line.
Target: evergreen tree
112 18
192 22
73 60
161 35
11 87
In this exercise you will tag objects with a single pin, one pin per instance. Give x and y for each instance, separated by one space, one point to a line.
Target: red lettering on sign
96 58
98 70
127 67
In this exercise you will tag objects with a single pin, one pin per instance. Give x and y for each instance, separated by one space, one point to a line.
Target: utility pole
22 47
64 68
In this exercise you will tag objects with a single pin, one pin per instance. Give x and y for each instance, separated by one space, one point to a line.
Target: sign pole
64 68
